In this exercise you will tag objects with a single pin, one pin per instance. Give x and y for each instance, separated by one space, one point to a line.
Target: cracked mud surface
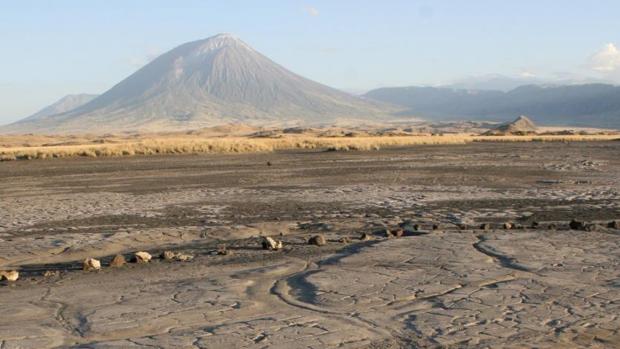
456 286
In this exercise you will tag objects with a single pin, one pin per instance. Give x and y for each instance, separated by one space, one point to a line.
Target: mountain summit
203 83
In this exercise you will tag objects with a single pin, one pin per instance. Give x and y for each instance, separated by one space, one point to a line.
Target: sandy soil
455 286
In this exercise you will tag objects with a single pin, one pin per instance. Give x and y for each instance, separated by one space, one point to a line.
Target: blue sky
54 48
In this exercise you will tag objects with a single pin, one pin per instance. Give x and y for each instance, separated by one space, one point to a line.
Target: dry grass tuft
198 145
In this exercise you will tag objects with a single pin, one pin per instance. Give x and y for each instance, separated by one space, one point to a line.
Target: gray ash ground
458 285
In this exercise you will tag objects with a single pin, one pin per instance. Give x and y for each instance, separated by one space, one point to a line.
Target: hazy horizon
73 47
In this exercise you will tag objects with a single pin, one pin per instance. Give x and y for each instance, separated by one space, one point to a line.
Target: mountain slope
594 105
65 104
208 82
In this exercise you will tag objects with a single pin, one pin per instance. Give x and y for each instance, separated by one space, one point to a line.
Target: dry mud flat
458 285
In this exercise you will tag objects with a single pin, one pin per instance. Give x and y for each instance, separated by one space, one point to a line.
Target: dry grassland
195 145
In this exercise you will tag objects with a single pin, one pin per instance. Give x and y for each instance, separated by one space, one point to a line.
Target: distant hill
215 81
520 126
494 82
590 105
498 82
65 104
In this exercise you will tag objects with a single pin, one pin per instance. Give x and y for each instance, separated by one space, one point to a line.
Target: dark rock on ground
577 225
317 240
382 232
397 232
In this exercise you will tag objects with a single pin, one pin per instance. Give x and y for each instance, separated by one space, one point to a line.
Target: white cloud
312 11
606 59
526 74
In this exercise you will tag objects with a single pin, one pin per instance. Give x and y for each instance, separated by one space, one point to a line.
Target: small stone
614 225
552 226
168 255
398 232
590 227
317 240
508 225
279 245
365 237
10 275
222 250
91 264
485 226
416 227
142 257
435 226
577 225
345 240
51 273
271 244
182 257
535 225
118 261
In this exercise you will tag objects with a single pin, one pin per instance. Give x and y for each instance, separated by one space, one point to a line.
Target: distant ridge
65 104
219 80
590 105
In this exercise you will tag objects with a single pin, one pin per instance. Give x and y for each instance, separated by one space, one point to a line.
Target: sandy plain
544 286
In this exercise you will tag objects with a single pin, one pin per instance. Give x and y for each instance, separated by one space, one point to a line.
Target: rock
485 226
222 250
168 255
176 256
365 237
91 264
317 240
345 240
614 225
508 225
382 232
591 227
577 225
416 227
142 257
535 225
397 232
435 226
118 261
279 245
51 273
182 257
9 275
552 226
271 244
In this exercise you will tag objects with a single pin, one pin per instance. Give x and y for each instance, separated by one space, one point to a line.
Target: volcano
219 80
